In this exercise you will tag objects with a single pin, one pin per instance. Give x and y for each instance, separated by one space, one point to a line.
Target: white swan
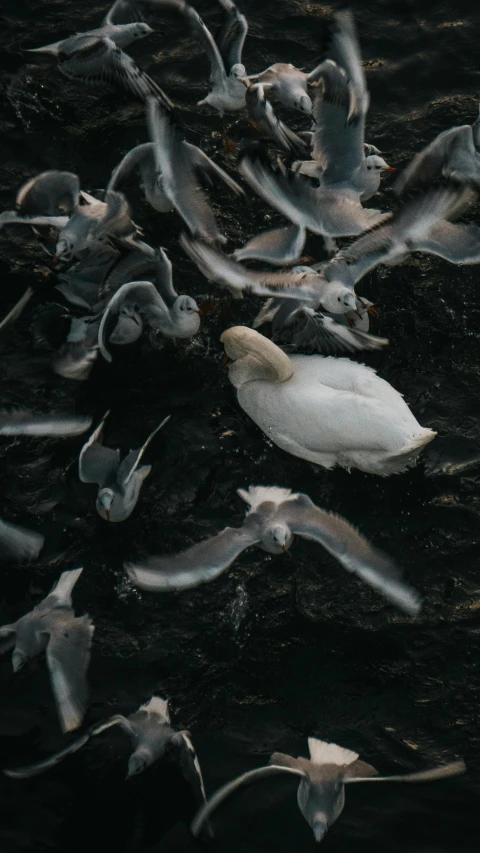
330 411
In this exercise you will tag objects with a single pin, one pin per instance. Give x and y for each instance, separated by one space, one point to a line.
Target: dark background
279 648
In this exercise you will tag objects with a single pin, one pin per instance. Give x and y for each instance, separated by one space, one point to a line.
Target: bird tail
64 586
158 706
322 752
47 49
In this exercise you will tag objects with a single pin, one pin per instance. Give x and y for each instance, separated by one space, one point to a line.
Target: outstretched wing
459 244
262 114
428 164
68 657
96 463
231 38
319 333
23 422
278 247
352 550
224 793
201 161
189 765
19 543
129 162
132 461
199 564
455 768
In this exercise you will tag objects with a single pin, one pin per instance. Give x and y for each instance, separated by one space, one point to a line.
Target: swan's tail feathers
403 459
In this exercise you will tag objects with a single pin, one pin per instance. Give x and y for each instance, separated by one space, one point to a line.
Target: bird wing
17 309
337 140
178 175
164 278
101 60
47 763
459 244
189 765
203 34
116 219
201 161
18 543
320 333
7 638
278 247
323 211
127 12
132 461
135 266
68 657
51 193
201 563
128 163
363 255
261 113
143 294
217 266
428 164
231 37
345 51
227 790
23 422
96 463
352 550
11 217
455 768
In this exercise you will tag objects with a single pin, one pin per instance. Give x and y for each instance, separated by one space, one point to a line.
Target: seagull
157 304
313 287
153 738
79 352
93 222
278 246
80 284
228 74
97 54
274 516
52 626
322 210
177 162
322 777
340 110
455 154
24 422
289 85
19 543
142 157
263 118
119 482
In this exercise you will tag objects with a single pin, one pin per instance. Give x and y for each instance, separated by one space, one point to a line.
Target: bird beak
357 312
135 320
107 513
285 548
226 361
390 169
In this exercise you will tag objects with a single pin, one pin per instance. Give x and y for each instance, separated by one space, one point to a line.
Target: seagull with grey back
274 517
289 85
340 110
119 482
97 54
322 777
19 544
227 72
157 304
52 627
453 154
177 162
153 738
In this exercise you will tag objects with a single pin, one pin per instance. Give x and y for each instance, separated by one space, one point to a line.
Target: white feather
322 752
256 495
156 705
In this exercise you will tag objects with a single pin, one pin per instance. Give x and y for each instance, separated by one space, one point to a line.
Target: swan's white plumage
330 411
322 752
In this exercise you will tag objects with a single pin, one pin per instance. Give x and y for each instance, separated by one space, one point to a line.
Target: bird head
188 317
64 249
105 500
140 30
304 104
339 299
239 71
281 536
374 163
138 762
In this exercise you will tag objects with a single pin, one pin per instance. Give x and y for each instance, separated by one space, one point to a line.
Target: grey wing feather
17 309
189 765
227 790
217 73
96 463
353 551
278 247
132 159
320 333
11 217
200 159
68 657
231 37
455 768
337 142
428 164
26 423
51 193
19 543
345 50
364 254
131 462
142 293
262 114
201 563
164 278
126 12
459 244
178 175
136 266
218 267
116 220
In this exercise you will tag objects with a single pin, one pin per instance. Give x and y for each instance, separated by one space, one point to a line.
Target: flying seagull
322 778
53 627
275 515
19 544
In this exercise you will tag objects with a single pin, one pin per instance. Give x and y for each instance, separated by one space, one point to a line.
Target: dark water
278 648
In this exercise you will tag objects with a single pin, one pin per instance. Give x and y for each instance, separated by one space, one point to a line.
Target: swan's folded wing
352 550
19 543
68 657
224 793
199 564
278 247
455 768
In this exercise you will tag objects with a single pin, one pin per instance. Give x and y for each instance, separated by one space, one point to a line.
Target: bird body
326 410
